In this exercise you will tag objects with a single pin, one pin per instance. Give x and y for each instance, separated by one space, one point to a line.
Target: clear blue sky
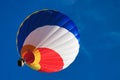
99 25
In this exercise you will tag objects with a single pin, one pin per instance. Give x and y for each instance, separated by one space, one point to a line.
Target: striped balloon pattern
48 41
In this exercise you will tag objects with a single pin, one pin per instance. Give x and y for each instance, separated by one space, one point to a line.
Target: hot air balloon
48 41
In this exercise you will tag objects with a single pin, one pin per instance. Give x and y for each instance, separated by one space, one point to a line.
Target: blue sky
98 22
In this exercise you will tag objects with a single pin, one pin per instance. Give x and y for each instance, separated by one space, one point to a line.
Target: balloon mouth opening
21 62
28 57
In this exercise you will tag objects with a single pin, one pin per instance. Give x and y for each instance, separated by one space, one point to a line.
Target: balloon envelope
48 41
